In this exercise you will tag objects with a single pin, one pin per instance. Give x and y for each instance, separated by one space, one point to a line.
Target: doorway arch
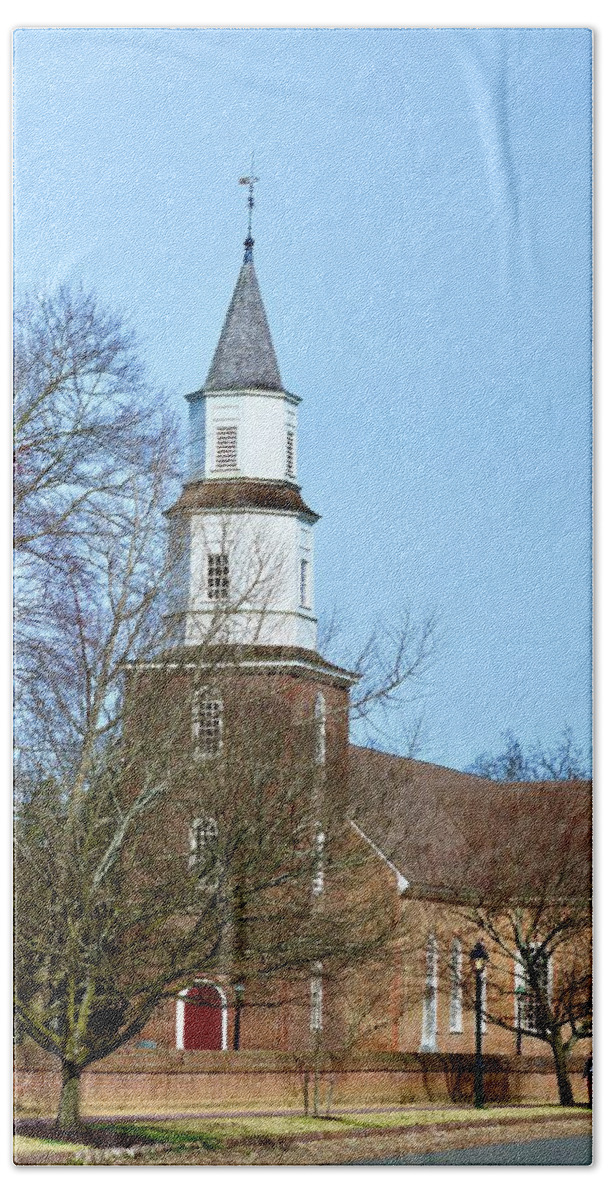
201 1018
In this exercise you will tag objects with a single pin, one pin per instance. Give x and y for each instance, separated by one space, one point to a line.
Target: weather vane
249 181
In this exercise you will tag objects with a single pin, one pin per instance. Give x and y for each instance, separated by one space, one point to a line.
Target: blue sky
423 249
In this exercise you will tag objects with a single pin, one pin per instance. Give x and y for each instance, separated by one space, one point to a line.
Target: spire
250 181
245 357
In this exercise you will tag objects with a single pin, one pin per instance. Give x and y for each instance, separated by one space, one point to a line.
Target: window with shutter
304 583
291 453
225 448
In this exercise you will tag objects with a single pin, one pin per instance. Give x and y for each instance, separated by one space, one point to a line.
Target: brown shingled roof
449 832
243 493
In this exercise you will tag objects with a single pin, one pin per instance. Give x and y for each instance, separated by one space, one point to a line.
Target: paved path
541 1152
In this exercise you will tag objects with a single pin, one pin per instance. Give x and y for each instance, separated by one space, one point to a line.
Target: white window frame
316 998
456 1025
204 696
226 447
522 995
428 1040
202 830
218 576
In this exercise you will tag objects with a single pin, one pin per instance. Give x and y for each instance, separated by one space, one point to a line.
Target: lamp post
519 999
239 989
479 958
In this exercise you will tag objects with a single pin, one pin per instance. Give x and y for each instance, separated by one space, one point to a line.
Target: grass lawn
252 1127
211 1134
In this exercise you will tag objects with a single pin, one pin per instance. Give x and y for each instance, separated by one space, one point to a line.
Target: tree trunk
68 1115
560 1058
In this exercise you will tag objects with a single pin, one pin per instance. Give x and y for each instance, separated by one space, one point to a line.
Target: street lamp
239 989
479 957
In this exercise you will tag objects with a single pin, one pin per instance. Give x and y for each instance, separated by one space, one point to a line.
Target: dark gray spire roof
245 357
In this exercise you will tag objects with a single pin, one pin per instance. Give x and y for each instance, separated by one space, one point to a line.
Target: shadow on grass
122 1135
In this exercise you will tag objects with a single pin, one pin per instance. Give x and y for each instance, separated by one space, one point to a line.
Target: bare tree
530 899
391 666
566 760
115 907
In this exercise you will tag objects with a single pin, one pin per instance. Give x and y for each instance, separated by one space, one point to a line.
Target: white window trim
456 1022
428 1040
520 988
211 830
203 694
180 1012
224 576
316 998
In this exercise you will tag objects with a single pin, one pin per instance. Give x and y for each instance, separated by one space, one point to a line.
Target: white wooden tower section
241 542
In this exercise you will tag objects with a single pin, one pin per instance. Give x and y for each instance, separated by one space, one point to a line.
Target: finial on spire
249 181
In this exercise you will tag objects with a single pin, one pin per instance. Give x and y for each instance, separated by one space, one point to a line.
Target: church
241 638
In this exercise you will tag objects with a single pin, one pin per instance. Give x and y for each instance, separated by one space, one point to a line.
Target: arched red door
203 1018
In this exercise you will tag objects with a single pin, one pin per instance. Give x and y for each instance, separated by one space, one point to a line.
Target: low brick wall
166 1081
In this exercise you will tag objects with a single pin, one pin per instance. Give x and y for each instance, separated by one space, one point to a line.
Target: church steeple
241 512
245 357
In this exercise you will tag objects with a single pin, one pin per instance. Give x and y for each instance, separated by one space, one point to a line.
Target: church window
225 447
207 724
291 453
202 859
456 987
304 583
428 1041
528 1001
218 577
320 729
316 998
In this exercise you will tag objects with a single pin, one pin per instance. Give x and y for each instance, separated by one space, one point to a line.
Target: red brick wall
141 1082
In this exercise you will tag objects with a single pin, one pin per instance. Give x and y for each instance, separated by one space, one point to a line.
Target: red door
203 1018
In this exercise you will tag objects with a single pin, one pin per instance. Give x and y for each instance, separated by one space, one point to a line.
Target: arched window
456 987
428 1041
320 729
207 723
202 859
